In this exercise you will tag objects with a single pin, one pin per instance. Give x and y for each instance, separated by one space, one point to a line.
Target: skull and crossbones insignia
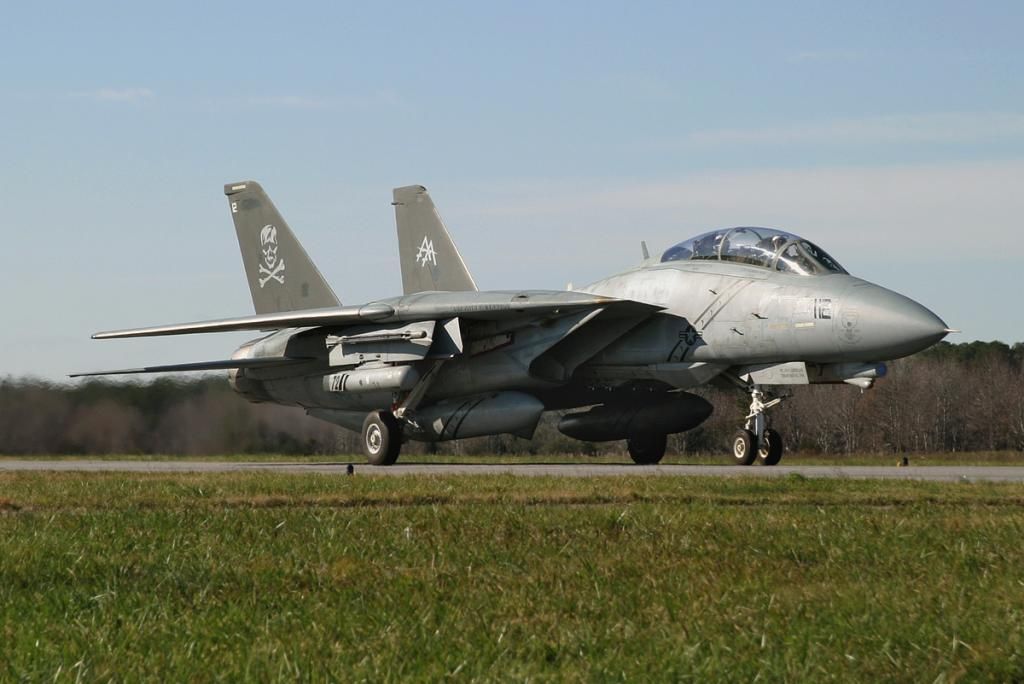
272 266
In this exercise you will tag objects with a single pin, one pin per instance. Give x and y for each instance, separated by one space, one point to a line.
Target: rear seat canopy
763 247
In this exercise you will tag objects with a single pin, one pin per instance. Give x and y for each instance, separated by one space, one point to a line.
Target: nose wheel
769 451
744 447
756 441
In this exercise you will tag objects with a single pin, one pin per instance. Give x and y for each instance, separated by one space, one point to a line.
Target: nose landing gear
744 447
769 451
756 441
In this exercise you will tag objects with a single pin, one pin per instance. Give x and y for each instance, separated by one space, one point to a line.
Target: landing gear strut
382 430
382 438
756 441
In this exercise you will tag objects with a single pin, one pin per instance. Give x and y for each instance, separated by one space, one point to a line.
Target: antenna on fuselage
643 250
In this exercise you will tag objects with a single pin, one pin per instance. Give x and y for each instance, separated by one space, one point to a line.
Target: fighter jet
756 309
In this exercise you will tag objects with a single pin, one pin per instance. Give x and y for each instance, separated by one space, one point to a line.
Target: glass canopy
764 247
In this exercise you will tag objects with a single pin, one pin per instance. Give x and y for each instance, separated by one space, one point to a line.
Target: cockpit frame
767 248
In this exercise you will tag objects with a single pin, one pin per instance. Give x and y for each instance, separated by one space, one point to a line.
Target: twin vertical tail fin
281 275
430 261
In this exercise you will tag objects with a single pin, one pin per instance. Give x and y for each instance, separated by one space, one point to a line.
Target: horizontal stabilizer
226 364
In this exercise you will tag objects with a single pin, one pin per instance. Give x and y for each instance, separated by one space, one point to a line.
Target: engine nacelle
514 413
664 415
250 388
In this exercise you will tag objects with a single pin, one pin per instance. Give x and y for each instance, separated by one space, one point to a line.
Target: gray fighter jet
750 308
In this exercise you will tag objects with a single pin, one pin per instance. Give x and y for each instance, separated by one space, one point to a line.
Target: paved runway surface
935 473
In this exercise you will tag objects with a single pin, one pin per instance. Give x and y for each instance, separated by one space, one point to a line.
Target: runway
929 473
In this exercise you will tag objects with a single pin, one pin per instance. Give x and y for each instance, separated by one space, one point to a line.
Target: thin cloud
287 101
640 86
826 56
919 212
374 100
894 129
126 95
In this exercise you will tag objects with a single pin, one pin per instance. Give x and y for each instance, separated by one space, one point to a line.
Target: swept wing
421 307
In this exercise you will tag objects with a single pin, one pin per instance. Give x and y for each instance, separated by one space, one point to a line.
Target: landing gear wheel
757 440
769 451
382 438
647 450
744 449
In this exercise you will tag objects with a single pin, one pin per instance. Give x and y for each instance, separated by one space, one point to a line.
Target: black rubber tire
647 450
744 448
769 451
382 438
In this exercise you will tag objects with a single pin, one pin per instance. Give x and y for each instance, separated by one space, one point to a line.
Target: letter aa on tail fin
430 261
281 275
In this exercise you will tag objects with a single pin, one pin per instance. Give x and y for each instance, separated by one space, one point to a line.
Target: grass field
261 576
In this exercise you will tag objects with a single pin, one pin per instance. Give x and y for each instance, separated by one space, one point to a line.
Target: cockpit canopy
764 247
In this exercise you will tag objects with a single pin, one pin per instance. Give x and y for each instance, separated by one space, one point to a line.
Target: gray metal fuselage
744 314
714 317
746 307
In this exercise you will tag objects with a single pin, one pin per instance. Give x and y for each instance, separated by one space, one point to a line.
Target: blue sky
553 136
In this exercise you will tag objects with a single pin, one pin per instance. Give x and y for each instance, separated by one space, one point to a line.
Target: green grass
262 576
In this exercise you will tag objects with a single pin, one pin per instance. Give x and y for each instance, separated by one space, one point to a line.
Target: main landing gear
382 438
382 430
647 450
756 441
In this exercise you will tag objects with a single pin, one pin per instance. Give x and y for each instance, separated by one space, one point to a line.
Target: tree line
952 397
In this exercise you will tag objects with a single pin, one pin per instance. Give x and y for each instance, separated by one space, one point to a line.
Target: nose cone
881 324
